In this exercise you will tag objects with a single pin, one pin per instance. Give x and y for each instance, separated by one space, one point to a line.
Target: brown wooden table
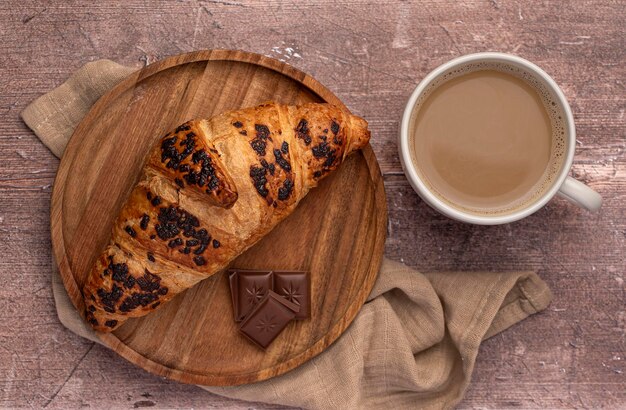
371 55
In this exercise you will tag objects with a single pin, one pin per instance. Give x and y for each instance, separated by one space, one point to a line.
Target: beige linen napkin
412 345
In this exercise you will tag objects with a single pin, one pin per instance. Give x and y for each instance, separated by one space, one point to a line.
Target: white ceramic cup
565 186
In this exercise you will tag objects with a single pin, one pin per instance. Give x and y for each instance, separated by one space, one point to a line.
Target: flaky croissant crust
209 190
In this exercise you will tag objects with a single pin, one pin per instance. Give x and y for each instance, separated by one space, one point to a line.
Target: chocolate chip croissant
208 191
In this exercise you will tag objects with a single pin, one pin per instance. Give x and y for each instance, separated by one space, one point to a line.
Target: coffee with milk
487 139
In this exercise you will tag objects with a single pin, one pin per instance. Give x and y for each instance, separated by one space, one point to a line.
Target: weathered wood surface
371 55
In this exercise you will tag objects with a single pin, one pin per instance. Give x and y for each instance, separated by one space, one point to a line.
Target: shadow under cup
462 171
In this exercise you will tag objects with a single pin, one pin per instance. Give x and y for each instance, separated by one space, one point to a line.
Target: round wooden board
337 232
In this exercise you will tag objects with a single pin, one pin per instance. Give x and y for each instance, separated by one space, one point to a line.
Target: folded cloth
412 345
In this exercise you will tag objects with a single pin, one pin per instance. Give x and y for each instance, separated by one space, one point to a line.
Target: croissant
208 191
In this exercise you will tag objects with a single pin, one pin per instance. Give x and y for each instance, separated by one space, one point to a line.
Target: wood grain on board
337 232
371 55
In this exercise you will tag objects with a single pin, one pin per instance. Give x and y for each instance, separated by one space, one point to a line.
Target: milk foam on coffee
487 138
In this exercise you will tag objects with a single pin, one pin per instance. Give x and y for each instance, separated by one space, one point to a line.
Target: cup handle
580 194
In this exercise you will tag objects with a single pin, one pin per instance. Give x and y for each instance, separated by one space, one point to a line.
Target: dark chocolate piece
248 285
294 286
247 288
268 319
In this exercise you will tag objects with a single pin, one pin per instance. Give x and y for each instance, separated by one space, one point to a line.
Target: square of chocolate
247 288
268 318
295 287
